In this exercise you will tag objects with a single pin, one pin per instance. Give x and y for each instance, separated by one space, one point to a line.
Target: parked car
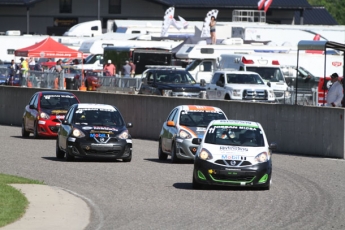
239 85
233 153
72 76
170 81
44 112
91 79
184 123
94 130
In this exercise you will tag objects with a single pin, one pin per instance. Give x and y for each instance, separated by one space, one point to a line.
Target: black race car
94 130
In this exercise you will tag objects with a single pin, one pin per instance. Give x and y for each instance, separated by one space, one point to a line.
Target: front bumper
48 128
185 149
258 175
117 149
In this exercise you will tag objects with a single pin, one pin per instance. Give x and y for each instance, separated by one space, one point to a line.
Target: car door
165 131
27 112
33 112
173 130
212 87
148 81
219 89
65 129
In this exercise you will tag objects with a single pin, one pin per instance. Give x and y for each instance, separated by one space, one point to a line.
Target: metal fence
304 97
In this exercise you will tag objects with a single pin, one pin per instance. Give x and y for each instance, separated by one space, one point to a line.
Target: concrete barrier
305 130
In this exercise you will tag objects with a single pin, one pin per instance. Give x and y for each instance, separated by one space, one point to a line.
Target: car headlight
123 135
261 158
236 92
44 115
184 134
270 94
166 93
77 133
205 155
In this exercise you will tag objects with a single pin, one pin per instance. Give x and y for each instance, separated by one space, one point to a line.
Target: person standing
132 68
335 92
126 73
25 69
213 30
109 69
14 68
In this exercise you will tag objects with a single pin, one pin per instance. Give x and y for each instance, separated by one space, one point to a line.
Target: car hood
249 86
101 131
198 132
181 87
54 111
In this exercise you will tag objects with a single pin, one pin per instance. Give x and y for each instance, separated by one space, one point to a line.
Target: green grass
12 202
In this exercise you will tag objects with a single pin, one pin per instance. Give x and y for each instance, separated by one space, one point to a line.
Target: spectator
126 72
132 68
213 30
335 92
25 69
31 63
58 66
14 68
109 69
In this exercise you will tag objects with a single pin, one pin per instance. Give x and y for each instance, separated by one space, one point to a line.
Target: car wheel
196 185
36 135
161 155
129 158
69 157
24 132
174 158
59 153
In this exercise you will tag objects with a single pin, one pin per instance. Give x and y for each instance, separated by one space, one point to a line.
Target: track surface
307 193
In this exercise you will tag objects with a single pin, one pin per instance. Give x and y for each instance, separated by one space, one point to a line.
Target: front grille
228 163
244 178
54 129
184 94
278 94
107 152
249 94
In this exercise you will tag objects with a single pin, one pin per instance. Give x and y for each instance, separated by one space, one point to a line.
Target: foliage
334 7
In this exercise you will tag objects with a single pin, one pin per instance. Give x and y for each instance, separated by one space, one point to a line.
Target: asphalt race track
307 193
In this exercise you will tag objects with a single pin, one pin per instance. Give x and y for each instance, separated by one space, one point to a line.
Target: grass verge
12 202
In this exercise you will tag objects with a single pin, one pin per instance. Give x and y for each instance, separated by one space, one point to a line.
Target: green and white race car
233 153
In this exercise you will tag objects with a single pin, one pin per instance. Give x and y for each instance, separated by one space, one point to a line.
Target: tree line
334 7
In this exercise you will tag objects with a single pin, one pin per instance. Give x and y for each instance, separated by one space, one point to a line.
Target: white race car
233 153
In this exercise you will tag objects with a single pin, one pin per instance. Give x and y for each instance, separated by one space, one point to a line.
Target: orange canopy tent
48 48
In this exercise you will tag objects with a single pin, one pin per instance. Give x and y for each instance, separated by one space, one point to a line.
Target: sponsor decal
233 148
201 108
233 157
101 135
59 111
60 117
101 131
87 128
200 129
336 63
105 128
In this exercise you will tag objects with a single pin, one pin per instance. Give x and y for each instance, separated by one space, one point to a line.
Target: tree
334 7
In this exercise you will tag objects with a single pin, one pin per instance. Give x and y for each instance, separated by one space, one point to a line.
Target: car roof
95 106
200 108
236 123
56 93
237 72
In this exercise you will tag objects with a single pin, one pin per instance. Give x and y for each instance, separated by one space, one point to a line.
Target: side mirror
65 122
273 146
129 125
202 82
171 123
219 83
196 141
269 84
32 107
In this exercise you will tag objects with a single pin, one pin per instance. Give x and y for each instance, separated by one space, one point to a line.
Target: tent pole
27 20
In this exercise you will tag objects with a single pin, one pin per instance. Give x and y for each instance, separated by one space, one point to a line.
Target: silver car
184 123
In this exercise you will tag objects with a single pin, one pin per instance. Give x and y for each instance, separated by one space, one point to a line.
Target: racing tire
196 185
161 155
24 132
174 158
227 97
69 157
128 159
59 153
36 135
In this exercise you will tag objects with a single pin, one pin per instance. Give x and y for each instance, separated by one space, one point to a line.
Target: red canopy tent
48 48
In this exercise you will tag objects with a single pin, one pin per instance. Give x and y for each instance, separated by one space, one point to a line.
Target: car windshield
244 79
176 77
193 65
57 101
199 119
269 74
98 117
235 135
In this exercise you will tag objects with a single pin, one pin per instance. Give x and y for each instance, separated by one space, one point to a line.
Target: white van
268 68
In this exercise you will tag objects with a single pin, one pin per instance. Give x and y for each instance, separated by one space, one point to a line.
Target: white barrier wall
304 130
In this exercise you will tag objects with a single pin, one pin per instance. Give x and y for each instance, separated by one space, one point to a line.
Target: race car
233 153
184 123
96 130
44 112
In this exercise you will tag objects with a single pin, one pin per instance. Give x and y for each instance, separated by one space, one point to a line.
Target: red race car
44 112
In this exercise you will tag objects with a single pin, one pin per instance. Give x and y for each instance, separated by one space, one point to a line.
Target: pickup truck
170 81
239 85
